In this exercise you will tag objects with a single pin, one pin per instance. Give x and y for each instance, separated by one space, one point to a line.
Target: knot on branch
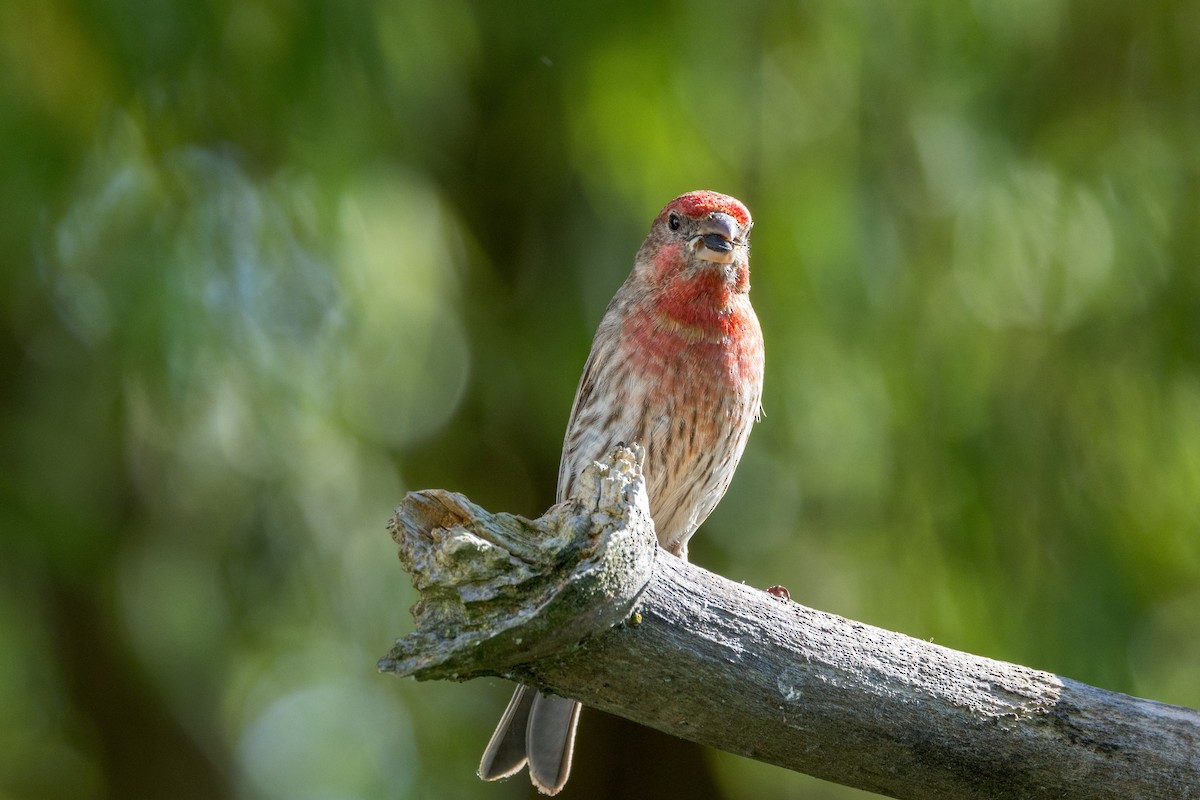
499 590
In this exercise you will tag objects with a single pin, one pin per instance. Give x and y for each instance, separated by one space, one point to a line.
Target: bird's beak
717 238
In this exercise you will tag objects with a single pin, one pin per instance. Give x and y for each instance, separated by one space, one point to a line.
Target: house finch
677 367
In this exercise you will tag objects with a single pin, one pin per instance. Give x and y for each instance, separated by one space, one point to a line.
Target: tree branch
581 602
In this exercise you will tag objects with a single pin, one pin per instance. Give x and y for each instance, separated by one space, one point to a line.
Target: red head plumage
700 203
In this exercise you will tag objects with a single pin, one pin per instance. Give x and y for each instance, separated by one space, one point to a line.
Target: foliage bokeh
270 264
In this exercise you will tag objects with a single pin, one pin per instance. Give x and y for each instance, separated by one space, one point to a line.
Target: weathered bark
581 602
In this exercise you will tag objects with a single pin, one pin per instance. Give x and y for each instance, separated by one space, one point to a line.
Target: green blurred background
269 264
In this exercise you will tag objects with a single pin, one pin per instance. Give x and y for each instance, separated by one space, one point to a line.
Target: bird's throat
694 333
703 307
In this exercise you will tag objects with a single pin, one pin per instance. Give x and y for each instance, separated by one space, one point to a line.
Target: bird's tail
538 729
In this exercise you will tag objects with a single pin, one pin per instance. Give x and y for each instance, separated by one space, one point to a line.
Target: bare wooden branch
581 602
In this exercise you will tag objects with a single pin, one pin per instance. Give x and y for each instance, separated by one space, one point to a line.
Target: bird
676 366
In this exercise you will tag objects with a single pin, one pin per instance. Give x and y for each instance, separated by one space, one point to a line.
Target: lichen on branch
499 590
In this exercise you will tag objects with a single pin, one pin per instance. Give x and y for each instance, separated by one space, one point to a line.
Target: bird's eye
673 222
